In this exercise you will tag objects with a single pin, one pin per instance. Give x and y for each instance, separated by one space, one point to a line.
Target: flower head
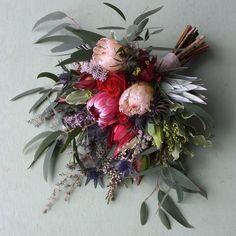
136 99
103 108
105 54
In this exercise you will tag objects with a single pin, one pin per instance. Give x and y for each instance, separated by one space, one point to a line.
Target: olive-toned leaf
146 14
70 136
28 92
45 144
147 35
164 218
76 156
143 213
78 97
115 9
51 155
54 30
39 102
156 132
36 138
57 15
48 75
60 38
145 163
169 206
111 28
87 36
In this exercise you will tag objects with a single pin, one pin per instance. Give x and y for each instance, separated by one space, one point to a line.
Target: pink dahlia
103 108
105 54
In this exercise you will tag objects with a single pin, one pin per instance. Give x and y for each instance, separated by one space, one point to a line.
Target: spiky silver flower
180 88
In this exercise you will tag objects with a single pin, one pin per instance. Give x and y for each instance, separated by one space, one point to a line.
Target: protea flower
105 54
103 108
170 61
136 99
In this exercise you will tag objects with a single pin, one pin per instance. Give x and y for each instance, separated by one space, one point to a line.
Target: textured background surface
24 192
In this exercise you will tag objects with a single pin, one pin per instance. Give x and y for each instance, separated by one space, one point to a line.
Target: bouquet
122 111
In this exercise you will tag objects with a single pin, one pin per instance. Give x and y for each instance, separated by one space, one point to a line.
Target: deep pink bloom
104 108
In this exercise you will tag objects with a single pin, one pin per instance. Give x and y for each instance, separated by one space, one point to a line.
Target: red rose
86 82
114 85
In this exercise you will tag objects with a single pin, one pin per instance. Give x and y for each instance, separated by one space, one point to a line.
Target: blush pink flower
103 108
105 54
136 99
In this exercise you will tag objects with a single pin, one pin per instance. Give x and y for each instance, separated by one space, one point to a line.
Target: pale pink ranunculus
105 54
136 99
103 108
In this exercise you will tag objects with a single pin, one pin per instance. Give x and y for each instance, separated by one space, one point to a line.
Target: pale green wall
24 192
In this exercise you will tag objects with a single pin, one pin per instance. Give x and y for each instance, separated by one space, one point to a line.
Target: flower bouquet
121 111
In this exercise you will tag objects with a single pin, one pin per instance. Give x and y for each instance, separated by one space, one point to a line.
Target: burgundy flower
86 82
103 108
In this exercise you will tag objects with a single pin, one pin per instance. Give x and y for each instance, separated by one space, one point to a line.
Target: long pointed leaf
164 218
51 155
169 206
39 102
48 75
57 15
146 14
115 9
36 138
71 135
111 28
60 38
28 92
45 144
143 213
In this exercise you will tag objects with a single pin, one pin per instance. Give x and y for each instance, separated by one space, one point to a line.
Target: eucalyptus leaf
50 157
57 15
149 151
70 136
180 193
143 213
87 36
146 14
45 144
157 31
169 206
111 28
164 218
36 138
39 102
61 38
54 30
48 75
64 47
28 92
115 9
151 170
142 25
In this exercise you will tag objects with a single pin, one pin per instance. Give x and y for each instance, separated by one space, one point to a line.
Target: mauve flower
105 54
103 108
136 99
170 61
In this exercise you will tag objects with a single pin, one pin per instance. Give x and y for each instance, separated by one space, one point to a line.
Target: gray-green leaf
115 9
143 213
57 15
169 206
146 14
164 218
28 92
36 138
45 144
48 75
